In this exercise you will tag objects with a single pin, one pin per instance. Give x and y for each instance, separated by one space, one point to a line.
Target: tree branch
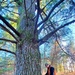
12 41
37 16
46 5
11 11
7 51
73 2
4 28
55 12
45 38
65 51
56 5
7 24
46 24
11 19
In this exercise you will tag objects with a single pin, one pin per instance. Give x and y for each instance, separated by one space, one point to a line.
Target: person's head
47 65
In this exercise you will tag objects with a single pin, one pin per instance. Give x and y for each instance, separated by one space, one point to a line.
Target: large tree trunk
27 54
28 60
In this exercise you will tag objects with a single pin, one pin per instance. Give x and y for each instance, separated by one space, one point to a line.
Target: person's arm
46 74
54 72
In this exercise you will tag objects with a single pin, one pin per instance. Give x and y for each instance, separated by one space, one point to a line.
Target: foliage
6 65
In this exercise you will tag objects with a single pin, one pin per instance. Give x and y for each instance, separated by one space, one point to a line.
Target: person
50 70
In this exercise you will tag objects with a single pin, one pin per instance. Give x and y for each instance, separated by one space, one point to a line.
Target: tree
26 38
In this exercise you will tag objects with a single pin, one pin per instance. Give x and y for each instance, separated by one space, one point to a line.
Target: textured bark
28 60
27 54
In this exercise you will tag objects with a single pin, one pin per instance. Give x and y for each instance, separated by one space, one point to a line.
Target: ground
69 73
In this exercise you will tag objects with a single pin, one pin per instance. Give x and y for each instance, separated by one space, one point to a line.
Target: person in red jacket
50 70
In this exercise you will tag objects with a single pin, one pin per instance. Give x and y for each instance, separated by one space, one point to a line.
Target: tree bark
28 60
27 54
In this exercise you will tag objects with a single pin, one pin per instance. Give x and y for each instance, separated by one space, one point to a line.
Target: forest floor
61 73
69 73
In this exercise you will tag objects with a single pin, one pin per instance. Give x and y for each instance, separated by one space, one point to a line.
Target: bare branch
56 5
12 41
4 28
37 16
7 51
7 24
45 38
55 12
46 5
46 24
11 11
26 12
11 19
68 17
73 2
65 51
